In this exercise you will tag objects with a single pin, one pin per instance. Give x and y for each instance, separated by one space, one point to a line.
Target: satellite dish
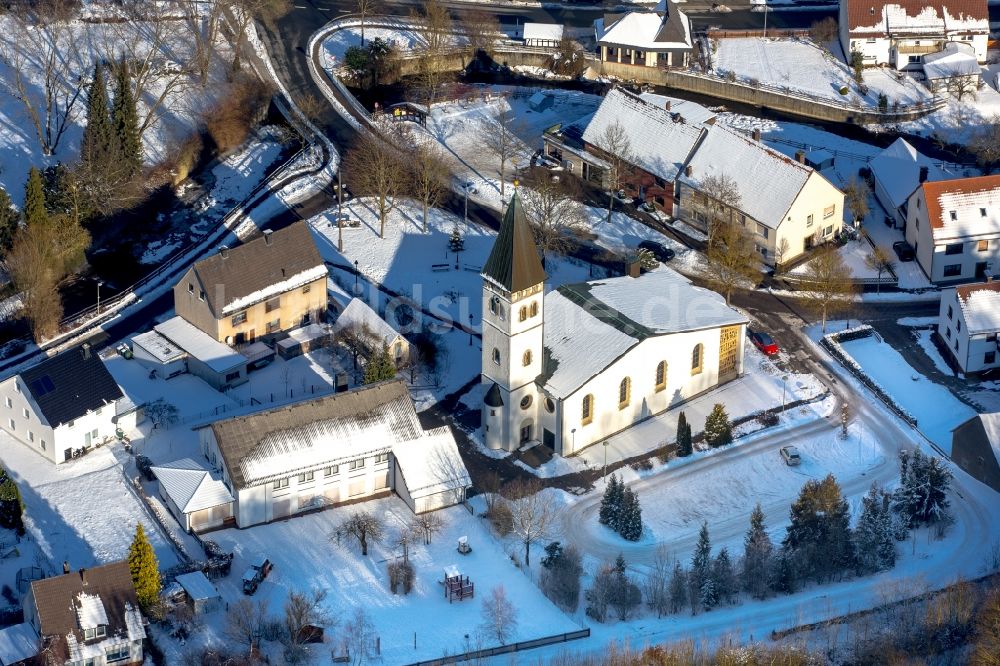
229 340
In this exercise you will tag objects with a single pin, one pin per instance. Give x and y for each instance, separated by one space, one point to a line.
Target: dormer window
953 214
95 633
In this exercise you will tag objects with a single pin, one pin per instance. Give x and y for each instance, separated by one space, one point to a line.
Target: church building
571 367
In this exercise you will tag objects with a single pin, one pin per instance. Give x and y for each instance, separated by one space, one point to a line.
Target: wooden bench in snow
438 268
472 269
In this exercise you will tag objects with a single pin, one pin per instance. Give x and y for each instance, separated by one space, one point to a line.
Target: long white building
571 367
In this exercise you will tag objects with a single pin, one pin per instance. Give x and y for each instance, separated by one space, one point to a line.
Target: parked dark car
255 574
903 251
659 250
764 342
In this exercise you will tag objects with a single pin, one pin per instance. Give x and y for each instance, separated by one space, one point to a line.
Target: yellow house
274 283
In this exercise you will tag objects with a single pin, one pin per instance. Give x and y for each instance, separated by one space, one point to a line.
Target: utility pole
340 214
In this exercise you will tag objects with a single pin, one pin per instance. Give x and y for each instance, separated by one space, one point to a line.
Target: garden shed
201 594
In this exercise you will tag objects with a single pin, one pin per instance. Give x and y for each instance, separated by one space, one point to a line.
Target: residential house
195 496
975 447
897 171
333 449
787 206
968 323
361 324
542 34
954 69
954 228
573 366
176 346
661 38
67 402
274 283
88 617
899 33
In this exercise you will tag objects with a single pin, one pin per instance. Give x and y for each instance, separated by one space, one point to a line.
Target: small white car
790 455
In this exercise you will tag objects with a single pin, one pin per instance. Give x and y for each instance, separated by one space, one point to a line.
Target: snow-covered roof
358 315
768 182
645 31
658 144
980 305
550 31
18 643
90 611
337 294
197 586
691 112
963 207
190 486
288 284
431 464
588 326
158 347
304 334
916 17
200 345
951 61
897 170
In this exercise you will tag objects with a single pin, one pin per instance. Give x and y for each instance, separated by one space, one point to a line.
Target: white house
218 364
968 324
899 33
194 495
954 228
570 368
787 206
67 402
956 63
542 34
360 320
897 171
660 38
329 450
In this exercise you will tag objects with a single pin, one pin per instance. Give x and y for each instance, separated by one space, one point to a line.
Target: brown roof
966 290
513 262
934 189
55 600
239 437
672 29
267 260
868 13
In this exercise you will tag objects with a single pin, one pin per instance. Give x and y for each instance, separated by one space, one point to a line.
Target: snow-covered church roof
589 326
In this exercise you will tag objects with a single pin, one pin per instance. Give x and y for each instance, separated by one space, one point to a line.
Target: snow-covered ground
925 342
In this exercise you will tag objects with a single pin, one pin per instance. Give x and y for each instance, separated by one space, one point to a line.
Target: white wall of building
980 251
972 353
817 214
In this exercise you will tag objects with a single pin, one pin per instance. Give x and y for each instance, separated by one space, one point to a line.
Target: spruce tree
922 496
819 533
718 429
125 117
757 552
874 538
726 585
34 212
9 221
708 595
630 525
701 567
608 511
683 436
98 148
144 568
11 505
380 367
678 588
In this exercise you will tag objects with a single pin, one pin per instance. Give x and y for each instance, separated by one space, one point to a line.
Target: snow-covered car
255 574
790 455
469 187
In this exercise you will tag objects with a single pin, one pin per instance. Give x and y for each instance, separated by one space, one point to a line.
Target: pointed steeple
514 264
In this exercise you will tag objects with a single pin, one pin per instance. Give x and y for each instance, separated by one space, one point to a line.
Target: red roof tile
934 189
866 13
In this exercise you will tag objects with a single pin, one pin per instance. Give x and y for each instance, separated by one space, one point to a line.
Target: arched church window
588 409
522 314
534 308
496 356
661 375
697 358
624 392
526 358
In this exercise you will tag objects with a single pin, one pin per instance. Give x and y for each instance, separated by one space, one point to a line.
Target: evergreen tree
125 117
98 148
683 436
380 367
144 568
11 505
620 566
553 552
724 576
678 588
784 575
9 221
611 503
757 552
820 529
922 496
718 429
630 523
708 595
34 199
874 537
625 594
701 567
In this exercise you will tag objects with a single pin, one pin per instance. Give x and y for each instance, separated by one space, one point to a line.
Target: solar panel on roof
42 385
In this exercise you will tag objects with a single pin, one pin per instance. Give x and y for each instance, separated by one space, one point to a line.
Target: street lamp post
355 276
605 475
573 432
100 283
340 214
466 218
784 378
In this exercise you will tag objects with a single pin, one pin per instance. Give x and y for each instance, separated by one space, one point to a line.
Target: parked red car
763 342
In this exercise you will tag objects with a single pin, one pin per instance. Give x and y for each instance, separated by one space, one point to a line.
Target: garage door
200 519
282 508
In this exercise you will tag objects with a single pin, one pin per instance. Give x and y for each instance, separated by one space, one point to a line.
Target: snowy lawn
81 511
937 411
854 254
305 556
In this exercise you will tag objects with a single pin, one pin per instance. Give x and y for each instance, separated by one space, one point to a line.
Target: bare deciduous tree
985 144
429 176
856 194
49 48
302 612
245 12
960 84
245 622
533 513
29 265
365 527
434 27
823 31
658 581
372 167
722 198
426 525
499 615
557 219
360 636
202 23
616 148
880 261
569 59
482 28
501 141
832 289
365 8
732 255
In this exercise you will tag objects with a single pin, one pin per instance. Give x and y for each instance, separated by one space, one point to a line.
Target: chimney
688 170
667 105
800 156
755 134
267 236
85 350
924 172
83 576
66 566
224 251
632 267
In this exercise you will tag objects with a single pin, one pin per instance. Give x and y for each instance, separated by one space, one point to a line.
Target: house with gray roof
660 38
66 403
338 448
571 367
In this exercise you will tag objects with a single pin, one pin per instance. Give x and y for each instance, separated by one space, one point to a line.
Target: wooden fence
505 649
